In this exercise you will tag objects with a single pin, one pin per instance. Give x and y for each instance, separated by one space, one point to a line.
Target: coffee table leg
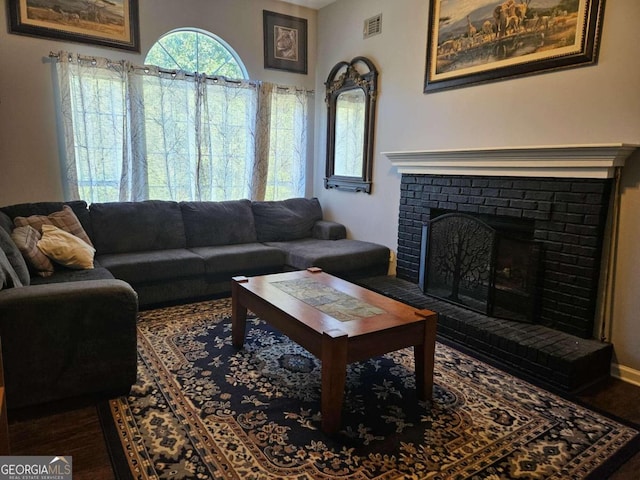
334 374
238 318
424 360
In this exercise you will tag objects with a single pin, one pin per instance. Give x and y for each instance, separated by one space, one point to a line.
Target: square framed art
285 42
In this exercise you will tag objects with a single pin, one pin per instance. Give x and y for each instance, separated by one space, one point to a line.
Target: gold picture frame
477 41
109 23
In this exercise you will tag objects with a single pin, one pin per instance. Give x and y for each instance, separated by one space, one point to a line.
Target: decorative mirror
351 99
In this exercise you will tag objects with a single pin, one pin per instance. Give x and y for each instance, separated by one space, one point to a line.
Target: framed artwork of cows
477 41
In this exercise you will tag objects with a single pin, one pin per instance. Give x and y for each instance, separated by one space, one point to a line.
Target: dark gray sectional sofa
172 251
73 333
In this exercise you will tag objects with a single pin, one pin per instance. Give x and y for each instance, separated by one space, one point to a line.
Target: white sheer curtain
135 133
288 143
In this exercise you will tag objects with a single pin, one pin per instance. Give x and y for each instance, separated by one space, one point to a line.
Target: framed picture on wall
110 23
285 42
477 41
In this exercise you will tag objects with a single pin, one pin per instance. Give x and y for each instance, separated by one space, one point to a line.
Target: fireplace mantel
566 161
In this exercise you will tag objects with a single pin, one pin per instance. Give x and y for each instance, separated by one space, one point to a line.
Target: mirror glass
350 110
350 97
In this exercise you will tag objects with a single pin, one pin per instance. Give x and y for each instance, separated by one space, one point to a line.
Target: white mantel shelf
567 161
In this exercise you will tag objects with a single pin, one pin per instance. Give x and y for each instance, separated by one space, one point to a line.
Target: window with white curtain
152 132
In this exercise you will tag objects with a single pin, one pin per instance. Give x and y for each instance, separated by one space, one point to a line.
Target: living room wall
593 104
29 160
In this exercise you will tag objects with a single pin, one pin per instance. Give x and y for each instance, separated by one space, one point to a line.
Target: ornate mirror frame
345 77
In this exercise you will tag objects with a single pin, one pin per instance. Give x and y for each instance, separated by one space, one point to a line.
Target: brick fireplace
564 196
568 218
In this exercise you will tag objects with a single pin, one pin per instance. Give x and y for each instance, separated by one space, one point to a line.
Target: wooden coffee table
339 323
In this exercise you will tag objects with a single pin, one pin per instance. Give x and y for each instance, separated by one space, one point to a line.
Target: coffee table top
324 303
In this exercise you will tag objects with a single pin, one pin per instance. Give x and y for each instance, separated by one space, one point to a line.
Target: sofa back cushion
122 227
285 220
218 223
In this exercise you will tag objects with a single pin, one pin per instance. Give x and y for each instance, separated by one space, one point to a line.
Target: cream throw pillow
65 248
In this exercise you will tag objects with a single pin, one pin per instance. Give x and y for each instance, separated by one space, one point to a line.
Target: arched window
192 50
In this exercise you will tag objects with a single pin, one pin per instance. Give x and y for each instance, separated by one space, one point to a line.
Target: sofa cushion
122 227
64 219
145 267
26 239
218 223
8 276
65 249
240 259
284 220
334 256
17 261
64 274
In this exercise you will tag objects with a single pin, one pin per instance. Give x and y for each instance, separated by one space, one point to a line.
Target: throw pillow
65 219
14 256
26 239
8 276
65 248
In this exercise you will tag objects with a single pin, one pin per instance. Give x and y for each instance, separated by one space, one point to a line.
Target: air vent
373 26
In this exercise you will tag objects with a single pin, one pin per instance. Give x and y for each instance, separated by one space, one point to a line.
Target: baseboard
625 374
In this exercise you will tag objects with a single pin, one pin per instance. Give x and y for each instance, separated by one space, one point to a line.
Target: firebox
486 263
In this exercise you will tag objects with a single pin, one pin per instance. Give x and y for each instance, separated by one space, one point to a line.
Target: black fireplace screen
468 262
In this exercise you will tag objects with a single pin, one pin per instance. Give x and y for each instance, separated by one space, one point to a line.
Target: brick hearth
537 353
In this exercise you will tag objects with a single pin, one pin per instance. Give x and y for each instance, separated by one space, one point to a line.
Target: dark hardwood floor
72 430
75 430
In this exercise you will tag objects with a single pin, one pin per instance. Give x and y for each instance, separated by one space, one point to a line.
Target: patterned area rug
203 410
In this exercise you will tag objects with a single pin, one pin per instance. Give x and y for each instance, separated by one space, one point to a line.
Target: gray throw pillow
8 276
15 258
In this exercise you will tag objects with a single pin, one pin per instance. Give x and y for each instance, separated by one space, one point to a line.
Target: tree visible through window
196 51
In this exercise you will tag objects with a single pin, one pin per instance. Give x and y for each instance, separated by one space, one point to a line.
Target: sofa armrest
67 339
327 230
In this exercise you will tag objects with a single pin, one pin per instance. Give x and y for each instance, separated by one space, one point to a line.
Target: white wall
29 161
593 104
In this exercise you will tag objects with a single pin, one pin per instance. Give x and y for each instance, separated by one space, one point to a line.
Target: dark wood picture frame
285 42
109 24
508 38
